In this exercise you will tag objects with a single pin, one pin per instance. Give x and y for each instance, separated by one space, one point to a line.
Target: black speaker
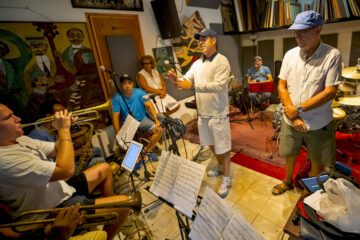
167 18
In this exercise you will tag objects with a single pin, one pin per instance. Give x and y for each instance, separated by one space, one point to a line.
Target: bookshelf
267 15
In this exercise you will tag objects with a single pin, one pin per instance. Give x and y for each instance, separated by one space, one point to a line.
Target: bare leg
113 229
316 169
290 165
223 160
157 134
100 175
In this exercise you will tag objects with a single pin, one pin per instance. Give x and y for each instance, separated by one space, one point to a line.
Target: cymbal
346 86
351 73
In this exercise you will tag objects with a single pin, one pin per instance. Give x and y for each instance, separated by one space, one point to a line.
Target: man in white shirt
208 77
28 181
309 77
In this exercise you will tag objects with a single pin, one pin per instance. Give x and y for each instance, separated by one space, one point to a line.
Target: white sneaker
216 171
224 188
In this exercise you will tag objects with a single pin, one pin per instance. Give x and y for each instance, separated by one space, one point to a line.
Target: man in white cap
208 77
309 77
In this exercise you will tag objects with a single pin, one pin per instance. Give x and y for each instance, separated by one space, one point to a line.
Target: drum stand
248 119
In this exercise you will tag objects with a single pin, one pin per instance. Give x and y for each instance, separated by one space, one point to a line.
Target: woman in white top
151 82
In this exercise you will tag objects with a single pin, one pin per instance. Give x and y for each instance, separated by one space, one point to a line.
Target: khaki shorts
320 143
215 132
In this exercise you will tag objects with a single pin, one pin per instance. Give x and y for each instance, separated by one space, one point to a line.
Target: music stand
262 87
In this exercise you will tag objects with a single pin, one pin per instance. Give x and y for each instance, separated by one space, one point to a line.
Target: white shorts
215 132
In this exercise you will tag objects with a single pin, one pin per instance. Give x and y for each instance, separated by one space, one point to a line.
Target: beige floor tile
246 213
269 230
253 201
264 184
276 212
289 198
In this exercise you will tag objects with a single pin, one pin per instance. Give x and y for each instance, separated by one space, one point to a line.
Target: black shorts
82 192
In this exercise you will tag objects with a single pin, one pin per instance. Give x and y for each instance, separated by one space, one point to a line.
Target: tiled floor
250 195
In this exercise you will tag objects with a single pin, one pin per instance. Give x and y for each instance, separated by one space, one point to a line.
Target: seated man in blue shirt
259 73
134 101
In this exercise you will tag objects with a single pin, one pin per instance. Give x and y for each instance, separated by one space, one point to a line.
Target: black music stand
263 87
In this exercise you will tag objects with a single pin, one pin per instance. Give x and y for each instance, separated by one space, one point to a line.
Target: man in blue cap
309 77
208 77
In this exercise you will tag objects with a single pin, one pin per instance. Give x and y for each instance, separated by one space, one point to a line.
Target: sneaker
216 171
224 188
152 157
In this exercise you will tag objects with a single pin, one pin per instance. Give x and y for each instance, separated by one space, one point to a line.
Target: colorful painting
128 5
186 47
47 61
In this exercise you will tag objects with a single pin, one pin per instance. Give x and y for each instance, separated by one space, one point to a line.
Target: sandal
288 186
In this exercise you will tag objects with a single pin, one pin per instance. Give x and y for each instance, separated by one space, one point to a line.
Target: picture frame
128 5
48 61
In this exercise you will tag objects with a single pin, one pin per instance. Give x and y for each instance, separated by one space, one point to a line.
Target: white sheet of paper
165 175
127 132
314 200
187 186
239 229
213 215
202 230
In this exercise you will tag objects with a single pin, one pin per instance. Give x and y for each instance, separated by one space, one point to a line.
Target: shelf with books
254 16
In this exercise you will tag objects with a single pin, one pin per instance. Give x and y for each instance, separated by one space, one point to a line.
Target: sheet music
127 132
165 175
202 230
187 186
239 229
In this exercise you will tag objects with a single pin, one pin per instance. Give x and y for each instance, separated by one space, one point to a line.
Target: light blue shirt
135 103
260 75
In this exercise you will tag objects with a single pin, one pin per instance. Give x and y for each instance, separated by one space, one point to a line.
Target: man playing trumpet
28 181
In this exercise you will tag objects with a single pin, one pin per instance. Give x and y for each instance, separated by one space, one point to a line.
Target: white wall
344 30
62 11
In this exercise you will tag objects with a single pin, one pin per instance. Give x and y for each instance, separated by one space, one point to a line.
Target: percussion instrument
351 73
351 122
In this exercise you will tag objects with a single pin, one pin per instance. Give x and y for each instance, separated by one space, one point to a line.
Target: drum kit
346 106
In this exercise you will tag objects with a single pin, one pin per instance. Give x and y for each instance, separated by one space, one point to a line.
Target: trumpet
89 219
88 111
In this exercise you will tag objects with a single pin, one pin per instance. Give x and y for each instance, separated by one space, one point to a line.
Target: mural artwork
47 61
186 47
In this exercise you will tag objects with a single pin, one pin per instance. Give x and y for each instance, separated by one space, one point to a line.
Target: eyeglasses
301 33
146 63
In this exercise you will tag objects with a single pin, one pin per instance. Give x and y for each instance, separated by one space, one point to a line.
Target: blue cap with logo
307 19
205 33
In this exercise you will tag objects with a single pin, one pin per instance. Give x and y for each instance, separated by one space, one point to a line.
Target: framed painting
44 61
128 5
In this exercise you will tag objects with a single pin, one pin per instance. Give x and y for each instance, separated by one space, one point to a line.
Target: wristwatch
299 109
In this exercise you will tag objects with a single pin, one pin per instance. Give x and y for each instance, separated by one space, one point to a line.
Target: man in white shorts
208 77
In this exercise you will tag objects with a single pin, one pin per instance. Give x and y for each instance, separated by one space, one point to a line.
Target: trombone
89 219
88 111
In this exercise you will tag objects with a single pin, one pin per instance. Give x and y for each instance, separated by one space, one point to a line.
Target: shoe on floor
224 188
216 171
152 157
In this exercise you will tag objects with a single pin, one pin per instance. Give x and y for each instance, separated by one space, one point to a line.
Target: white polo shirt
210 78
24 177
306 78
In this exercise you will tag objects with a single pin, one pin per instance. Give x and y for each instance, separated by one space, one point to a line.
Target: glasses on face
146 63
301 33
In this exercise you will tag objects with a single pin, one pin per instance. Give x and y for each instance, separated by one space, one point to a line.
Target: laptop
311 184
131 156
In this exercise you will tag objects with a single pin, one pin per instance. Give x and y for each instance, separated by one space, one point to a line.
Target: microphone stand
248 119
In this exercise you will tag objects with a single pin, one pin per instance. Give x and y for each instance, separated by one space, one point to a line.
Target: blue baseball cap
307 19
205 33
